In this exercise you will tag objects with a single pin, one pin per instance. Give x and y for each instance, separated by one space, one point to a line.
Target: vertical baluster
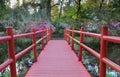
11 53
65 34
50 33
103 52
73 38
34 42
42 35
69 37
81 41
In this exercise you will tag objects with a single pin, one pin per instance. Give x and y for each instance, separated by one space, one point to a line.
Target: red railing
12 57
104 38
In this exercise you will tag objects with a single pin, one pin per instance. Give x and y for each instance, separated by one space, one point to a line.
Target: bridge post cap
33 30
82 29
73 28
104 26
104 30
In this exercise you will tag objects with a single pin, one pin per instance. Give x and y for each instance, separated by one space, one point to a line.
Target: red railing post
50 33
42 35
103 51
34 42
11 53
69 37
81 41
64 34
67 34
73 38
47 36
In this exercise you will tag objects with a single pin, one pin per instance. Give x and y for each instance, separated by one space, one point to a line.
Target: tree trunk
18 3
45 10
68 6
101 4
78 7
49 10
61 5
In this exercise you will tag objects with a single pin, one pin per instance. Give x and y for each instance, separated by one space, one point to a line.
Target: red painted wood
5 64
92 51
4 38
23 52
50 33
42 42
34 43
11 53
69 37
103 51
112 64
81 48
104 38
112 39
57 60
12 57
22 35
72 39
65 34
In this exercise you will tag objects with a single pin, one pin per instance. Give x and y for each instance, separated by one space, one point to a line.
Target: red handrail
104 38
11 47
5 38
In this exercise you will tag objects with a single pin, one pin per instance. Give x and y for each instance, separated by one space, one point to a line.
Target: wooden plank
57 60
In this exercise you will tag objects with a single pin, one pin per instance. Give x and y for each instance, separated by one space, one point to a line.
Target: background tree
78 2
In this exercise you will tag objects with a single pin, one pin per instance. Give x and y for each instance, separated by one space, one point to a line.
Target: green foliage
3 51
2 8
108 75
22 44
59 29
54 12
2 28
7 74
71 13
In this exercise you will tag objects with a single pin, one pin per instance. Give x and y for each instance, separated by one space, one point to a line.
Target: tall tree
68 5
61 7
45 10
101 4
78 2
18 2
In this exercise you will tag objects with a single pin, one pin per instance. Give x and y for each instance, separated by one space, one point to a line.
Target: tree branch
55 5
76 2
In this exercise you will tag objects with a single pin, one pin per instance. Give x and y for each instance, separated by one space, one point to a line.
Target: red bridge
57 58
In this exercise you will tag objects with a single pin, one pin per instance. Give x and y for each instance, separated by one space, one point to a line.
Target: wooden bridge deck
57 60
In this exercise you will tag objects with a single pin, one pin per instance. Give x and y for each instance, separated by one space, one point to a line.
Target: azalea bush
95 26
114 27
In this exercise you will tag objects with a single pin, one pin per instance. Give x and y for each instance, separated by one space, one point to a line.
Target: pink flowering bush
95 26
115 24
39 26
